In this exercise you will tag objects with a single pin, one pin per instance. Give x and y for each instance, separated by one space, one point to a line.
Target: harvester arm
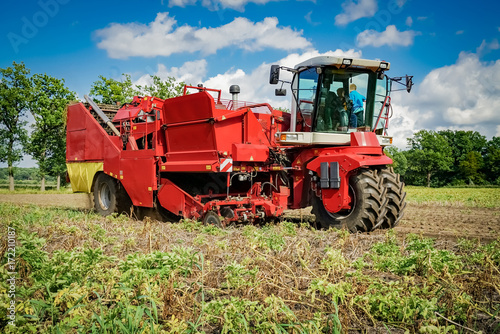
102 115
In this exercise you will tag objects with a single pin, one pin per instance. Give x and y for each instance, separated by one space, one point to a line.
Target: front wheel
109 197
366 191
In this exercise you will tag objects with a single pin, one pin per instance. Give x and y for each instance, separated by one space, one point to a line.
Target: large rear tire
366 191
395 199
110 197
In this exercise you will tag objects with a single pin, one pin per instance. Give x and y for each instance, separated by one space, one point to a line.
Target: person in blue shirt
357 99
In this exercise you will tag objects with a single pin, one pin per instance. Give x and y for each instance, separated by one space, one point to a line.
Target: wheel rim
212 218
104 196
340 216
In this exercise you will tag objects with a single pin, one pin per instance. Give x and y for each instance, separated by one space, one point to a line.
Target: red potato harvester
198 156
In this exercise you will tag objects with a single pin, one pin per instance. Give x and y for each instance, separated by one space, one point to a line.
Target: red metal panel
178 201
188 108
94 140
111 158
190 166
364 139
138 177
75 145
228 132
76 117
250 152
194 137
127 113
254 131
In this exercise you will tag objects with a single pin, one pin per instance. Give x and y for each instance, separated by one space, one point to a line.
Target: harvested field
79 272
447 220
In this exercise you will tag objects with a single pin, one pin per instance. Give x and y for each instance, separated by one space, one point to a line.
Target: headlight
289 137
386 140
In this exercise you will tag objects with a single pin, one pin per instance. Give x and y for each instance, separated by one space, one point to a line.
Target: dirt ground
442 222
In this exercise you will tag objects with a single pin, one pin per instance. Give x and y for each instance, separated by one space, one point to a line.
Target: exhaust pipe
102 115
234 90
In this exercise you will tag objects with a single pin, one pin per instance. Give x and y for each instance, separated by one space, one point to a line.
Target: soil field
430 220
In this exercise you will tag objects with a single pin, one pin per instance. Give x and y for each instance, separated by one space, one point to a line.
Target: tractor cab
332 97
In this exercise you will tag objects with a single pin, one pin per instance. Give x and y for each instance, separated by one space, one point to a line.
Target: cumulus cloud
163 37
191 72
238 5
354 10
462 96
391 36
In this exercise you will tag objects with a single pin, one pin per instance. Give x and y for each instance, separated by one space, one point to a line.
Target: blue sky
452 48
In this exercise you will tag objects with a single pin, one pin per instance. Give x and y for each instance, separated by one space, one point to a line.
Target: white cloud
354 10
460 32
163 37
462 96
391 36
218 4
409 21
191 72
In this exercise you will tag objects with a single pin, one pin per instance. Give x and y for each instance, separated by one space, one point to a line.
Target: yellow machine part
81 175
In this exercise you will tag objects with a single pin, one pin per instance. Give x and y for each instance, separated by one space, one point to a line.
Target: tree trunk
11 178
58 182
42 188
428 179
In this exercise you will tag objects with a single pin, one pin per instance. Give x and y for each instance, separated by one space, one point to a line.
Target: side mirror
409 83
274 76
280 92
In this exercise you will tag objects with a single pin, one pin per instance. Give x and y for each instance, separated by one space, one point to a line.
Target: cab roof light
383 66
346 62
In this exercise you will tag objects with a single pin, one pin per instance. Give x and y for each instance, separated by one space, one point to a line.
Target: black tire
395 199
366 191
212 218
110 197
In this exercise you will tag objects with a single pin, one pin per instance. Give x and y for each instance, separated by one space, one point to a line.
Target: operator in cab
357 117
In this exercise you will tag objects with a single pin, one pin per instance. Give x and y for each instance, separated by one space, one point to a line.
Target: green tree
429 153
399 161
111 91
163 89
15 93
492 161
470 167
461 143
47 143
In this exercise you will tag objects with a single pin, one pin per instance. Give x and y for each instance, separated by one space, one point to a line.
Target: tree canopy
450 158
111 91
15 96
47 143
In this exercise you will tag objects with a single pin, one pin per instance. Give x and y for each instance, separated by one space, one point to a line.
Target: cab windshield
339 100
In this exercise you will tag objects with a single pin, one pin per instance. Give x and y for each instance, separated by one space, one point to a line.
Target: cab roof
344 62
